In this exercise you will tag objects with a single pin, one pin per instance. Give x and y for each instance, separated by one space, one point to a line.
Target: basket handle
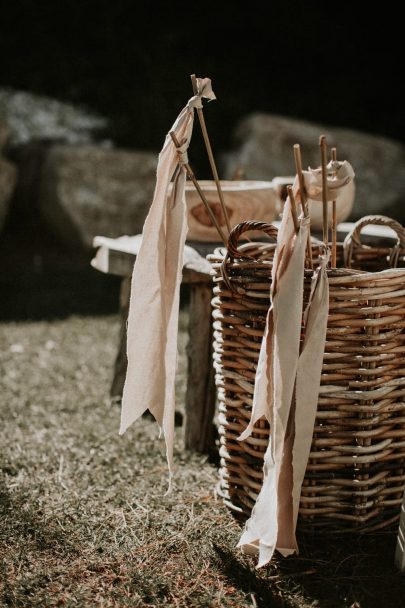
232 246
352 239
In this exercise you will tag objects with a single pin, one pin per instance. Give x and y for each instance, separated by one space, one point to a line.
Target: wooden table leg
120 366
201 393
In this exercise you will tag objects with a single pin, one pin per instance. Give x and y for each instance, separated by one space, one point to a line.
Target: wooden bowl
244 200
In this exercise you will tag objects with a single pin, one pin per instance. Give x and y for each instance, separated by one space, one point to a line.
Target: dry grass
83 516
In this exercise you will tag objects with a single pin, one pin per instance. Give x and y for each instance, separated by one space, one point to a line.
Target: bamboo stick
324 162
303 198
210 154
293 208
334 220
193 178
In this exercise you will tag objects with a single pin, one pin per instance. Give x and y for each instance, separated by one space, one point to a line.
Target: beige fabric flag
156 278
277 370
291 414
308 377
263 391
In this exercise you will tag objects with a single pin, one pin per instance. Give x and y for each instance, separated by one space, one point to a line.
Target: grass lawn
84 520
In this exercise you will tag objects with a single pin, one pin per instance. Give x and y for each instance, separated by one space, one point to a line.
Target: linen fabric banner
287 381
155 287
271 523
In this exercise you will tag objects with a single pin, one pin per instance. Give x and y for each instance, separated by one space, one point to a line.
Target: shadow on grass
30 546
352 569
23 527
330 571
245 578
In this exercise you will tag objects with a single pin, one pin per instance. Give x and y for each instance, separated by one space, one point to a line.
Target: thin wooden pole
193 178
293 208
334 220
303 197
210 154
324 162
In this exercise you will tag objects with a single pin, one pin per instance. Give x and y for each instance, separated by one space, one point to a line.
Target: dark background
335 63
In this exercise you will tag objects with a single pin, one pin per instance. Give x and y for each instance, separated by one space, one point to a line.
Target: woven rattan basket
355 475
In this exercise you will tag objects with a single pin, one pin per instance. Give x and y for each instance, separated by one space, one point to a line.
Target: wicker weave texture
356 471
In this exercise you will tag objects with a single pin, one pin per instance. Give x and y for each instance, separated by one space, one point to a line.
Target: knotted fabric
339 175
155 288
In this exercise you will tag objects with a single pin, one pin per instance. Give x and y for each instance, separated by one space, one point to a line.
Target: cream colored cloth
272 517
309 375
156 278
287 382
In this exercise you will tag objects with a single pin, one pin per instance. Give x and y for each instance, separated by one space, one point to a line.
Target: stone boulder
88 190
31 117
264 150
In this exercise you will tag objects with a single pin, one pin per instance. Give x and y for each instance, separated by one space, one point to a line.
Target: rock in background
34 124
31 117
264 150
71 177
87 191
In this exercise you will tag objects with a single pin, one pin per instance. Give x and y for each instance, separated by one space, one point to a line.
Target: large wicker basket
355 475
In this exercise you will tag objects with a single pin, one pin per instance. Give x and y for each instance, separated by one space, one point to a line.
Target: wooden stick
210 154
193 178
293 208
303 197
324 162
334 220
298 166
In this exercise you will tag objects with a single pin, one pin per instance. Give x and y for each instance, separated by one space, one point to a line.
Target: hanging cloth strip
287 381
155 287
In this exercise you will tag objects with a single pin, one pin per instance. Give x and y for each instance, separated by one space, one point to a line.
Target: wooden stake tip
194 83
174 139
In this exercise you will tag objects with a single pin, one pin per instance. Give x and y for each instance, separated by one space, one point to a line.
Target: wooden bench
117 257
